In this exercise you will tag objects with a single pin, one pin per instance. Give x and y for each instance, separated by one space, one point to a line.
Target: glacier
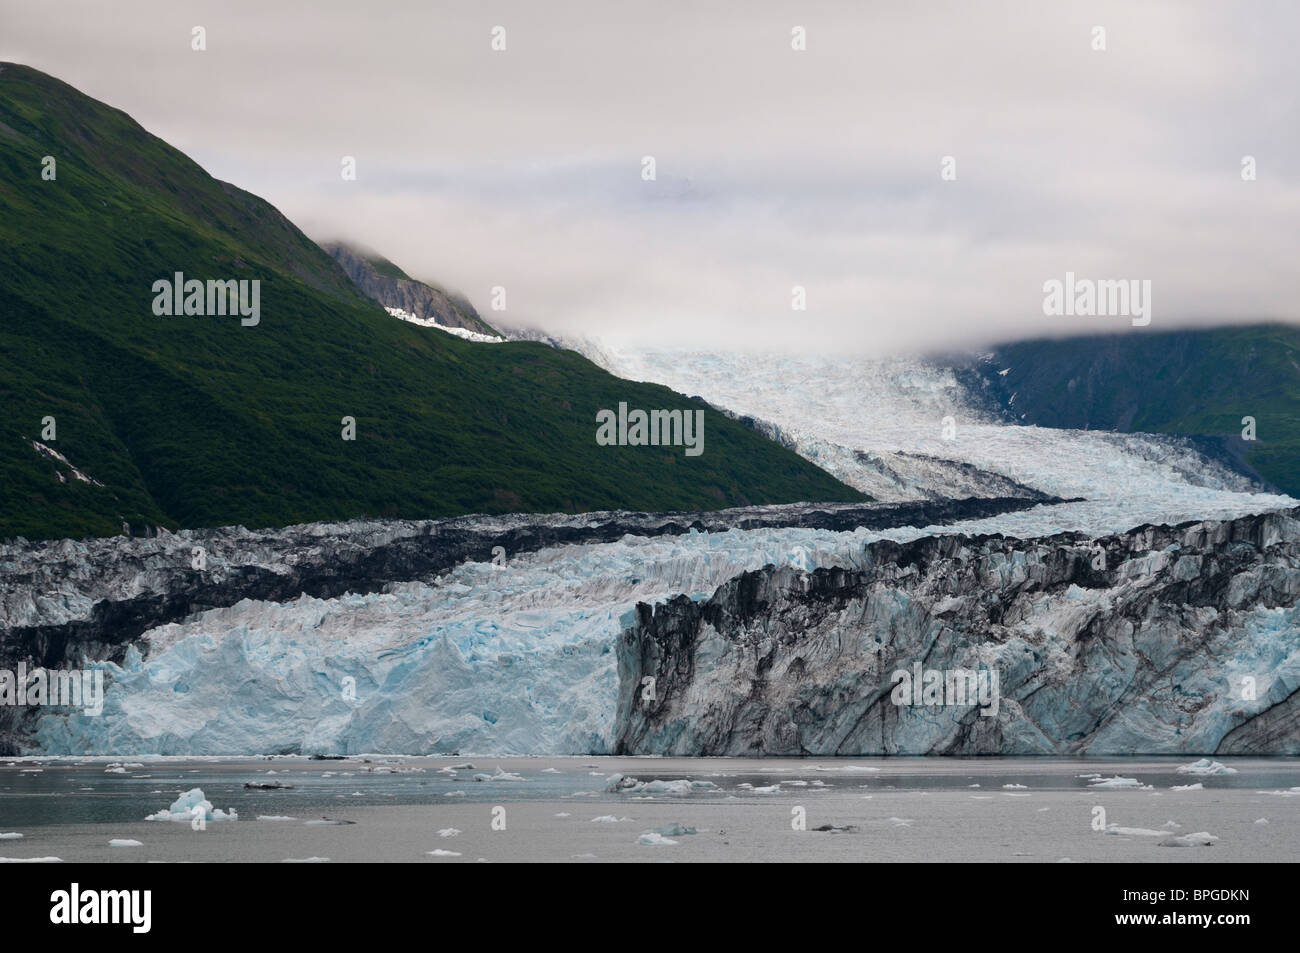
1158 641
412 637
879 425
530 658
517 659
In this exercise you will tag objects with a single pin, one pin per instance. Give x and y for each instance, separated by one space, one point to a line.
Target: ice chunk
623 784
31 860
1199 839
655 839
124 842
499 775
190 806
1117 782
1206 766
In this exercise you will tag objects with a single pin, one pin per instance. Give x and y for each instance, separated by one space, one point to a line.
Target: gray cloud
775 168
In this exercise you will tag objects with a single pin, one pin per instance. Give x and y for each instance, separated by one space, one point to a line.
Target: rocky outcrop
415 297
1161 640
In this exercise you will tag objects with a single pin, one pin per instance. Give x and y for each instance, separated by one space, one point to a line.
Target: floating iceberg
1199 839
192 805
622 784
1206 766
655 839
1117 783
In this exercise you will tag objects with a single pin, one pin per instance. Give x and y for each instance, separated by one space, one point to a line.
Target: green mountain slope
1194 382
199 421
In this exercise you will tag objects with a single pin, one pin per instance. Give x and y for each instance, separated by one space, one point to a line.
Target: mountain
1199 383
382 281
206 420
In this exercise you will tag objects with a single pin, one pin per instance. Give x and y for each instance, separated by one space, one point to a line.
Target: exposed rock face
1181 639
422 300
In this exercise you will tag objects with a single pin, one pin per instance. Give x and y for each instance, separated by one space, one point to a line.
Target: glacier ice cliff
767 639
1164 639
441 647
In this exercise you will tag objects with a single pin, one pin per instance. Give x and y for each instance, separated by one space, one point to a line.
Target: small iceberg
500 776
31 860
655 839
1199 839
1115 783
191 805
1206 766
1133 831
623 784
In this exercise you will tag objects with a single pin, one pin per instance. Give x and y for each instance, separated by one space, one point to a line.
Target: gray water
897 809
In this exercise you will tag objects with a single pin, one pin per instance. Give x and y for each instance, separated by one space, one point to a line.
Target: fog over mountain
522 168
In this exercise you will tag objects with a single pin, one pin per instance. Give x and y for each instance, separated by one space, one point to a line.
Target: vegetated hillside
200 421
382 281
1196 382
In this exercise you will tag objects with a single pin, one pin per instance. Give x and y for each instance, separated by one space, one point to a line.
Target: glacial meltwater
508 809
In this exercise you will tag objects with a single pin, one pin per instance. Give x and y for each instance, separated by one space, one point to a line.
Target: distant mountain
381 280
210 420
1194 382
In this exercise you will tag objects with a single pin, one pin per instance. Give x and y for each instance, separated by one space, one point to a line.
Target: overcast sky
775 167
